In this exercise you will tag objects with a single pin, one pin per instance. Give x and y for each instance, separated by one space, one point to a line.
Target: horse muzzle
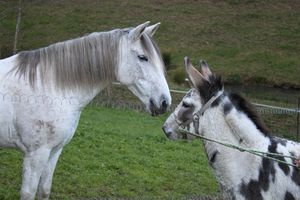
160 109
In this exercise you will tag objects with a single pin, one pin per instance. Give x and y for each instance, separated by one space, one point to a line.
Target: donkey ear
193 74
150 30
205 69
136 32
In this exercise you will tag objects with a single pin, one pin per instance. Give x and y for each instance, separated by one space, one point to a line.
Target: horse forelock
77 63
151 48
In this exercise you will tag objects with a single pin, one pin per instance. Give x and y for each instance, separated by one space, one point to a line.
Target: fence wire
282 121
109 100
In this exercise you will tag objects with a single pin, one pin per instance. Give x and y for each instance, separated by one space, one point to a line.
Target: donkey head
205 85
142 69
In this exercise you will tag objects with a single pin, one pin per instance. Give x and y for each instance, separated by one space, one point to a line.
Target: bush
167 60
234 79
178 76
5 51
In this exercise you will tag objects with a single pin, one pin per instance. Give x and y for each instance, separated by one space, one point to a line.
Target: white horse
43 92
209 111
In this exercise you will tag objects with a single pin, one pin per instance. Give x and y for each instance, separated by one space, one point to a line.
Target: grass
253 42
119 154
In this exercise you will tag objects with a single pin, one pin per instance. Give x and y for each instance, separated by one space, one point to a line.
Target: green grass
249 41
119 154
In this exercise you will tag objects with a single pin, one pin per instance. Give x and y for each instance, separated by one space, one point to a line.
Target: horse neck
82 63
84 97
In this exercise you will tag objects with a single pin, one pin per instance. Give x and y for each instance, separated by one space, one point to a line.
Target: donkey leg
44 187
33 165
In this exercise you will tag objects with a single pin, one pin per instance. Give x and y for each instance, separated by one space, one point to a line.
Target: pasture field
120 154
247 41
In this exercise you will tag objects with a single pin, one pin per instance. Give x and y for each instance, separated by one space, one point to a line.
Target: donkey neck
228 123
222 159
244 122
233 127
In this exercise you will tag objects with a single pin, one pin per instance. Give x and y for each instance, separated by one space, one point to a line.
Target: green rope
267 155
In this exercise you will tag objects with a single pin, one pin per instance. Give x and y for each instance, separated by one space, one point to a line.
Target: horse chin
156 112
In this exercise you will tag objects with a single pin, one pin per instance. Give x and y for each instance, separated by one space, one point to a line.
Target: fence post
18 26
298 119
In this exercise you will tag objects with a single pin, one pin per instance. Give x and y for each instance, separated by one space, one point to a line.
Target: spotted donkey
232 118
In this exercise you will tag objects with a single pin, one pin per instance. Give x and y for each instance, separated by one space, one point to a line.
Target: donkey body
232 119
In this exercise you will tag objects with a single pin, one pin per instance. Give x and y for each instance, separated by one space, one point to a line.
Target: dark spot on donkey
253 189
289 196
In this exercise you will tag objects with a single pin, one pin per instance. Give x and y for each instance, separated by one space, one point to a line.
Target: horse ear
150 30
136 32
194 76
205 69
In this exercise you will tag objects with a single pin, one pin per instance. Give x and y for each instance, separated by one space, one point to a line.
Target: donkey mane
242 104
78 63
210 87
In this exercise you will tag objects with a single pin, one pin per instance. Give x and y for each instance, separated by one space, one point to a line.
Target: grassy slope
254 41
119 153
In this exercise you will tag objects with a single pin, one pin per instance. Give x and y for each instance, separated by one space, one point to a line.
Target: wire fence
282 121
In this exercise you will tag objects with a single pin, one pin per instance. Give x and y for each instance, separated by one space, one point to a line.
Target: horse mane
78 63
242 104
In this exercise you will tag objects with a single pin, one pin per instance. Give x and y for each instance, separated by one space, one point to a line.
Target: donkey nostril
166 131
164 128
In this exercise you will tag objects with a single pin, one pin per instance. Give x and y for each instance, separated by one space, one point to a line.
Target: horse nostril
164 104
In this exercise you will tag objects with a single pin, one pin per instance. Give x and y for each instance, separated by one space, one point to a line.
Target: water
280 95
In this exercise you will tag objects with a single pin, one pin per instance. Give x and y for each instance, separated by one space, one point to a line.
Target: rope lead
266 155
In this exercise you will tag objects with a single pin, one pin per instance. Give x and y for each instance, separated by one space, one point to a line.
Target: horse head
141 68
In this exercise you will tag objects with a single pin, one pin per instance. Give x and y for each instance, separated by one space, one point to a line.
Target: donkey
209 111
43 91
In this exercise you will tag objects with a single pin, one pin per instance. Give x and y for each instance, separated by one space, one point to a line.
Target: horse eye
185 105
143 58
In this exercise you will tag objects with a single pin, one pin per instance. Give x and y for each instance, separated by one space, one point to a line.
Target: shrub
234 79
178 76
167 60
5 51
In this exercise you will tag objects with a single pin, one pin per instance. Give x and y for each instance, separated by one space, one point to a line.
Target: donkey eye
185 105
143 58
